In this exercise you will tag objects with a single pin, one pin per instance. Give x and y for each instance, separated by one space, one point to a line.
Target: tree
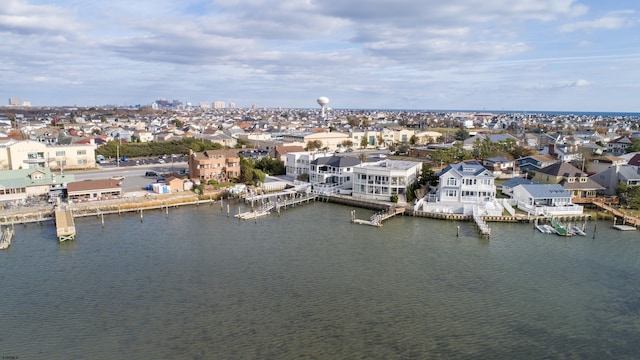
520 151
347 143
462 134
629 195
364 142
270 166
314 145
634 146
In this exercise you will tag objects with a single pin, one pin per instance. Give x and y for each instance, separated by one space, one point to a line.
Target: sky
546 55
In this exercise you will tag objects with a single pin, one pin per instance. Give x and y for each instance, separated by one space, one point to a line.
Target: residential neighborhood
377 155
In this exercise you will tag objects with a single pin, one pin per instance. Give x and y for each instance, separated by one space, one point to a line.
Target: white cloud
371 53
612 21
557 85
20 17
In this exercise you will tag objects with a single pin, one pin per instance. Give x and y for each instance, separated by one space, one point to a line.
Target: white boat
5 238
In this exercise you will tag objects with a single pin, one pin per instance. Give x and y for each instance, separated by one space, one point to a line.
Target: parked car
161 161
151 174
162 181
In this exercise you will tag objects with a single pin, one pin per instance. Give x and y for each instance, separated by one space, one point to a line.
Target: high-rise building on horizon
232 105
14 101
218 105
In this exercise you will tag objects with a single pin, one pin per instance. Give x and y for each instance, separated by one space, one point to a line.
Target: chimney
552 149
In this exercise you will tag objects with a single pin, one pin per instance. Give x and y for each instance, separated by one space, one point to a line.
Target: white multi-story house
297 163
465 188
379 180
334 170
467 182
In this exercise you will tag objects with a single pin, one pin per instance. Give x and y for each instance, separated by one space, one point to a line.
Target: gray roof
629 172
471 168
546 191
513 182
337 161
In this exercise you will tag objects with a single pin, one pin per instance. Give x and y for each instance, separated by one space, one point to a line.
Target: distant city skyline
521 55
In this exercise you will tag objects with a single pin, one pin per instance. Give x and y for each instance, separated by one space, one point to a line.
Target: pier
377 218
288 200
65 225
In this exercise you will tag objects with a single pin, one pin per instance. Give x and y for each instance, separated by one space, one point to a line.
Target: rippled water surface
309 284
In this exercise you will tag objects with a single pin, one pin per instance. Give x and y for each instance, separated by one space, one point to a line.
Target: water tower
323 101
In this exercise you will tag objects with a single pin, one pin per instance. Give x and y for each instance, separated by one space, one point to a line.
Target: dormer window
583 179
571 180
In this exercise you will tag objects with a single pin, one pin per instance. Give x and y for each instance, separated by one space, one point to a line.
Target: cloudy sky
555 55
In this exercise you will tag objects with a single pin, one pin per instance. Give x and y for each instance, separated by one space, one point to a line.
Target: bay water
309 284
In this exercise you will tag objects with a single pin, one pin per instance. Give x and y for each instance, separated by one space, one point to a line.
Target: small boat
5 238
577 230
560 229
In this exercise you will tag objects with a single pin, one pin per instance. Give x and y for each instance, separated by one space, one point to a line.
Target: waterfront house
545 199
19 185
333 171
89 190
219 165
618 174
298 163
381 179
569 177
464 188
466 182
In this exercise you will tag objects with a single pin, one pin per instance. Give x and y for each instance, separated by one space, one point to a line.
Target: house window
60 153
82 152
452 182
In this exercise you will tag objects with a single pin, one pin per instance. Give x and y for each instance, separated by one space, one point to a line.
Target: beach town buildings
298 163
382 179
545 199
464 188
19 185
23 154
218 165
610 178
574 180
332 171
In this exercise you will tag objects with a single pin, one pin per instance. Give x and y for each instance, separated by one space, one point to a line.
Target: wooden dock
65 225
626 219
280 204
377 218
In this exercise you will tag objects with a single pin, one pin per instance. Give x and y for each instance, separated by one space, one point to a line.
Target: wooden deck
626 219
65 225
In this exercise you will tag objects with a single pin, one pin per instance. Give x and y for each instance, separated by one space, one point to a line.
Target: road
134 179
